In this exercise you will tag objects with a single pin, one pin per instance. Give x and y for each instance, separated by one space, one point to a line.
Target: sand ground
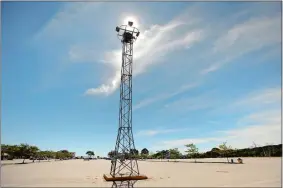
256 172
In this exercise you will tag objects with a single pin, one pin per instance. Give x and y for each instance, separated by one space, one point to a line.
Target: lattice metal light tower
124 170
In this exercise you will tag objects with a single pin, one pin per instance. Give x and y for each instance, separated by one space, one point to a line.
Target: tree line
25 151
133 153
223 150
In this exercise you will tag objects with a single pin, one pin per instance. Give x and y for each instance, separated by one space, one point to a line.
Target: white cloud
164 96
106 88
264 116
245 38
261 130
150 47
76 26
262 125
77 54
69 20
158 131
264 101
263 97
199 102
238 41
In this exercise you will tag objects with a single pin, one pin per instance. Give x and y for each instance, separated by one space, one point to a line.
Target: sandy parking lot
256 172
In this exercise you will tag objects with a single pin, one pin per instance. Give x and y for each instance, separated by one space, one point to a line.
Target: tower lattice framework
124 163
124 170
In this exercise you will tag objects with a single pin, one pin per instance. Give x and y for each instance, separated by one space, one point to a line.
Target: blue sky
203 72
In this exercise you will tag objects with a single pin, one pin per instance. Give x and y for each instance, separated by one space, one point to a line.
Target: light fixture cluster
130 23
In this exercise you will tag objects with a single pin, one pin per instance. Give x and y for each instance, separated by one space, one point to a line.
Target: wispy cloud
262 97
68 21
261 130
245 38
164 96
151 46
158 131
237 41
262 125
221 41
258 100
199 102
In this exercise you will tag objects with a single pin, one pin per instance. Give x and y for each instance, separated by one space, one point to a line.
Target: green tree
164 153
60 155
225 150
5 149
174 153
134 151
111 154
213 153
144 153
65 154
50 154
161 154
24 151
192 150
13 151
34 152
90 153
41 155
156 155
150 155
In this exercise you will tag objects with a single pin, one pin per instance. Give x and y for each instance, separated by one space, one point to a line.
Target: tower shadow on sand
124 184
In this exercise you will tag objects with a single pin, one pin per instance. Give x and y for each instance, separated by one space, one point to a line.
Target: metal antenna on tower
124 170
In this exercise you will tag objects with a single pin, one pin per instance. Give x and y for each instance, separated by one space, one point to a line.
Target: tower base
123 178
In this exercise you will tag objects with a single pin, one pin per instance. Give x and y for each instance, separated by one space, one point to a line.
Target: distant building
5 156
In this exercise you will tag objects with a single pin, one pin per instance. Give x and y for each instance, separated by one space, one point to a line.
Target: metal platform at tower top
124 170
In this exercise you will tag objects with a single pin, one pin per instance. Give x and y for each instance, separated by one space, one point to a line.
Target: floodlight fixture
130 23
127 33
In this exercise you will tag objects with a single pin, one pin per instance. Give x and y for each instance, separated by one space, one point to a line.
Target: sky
203 73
